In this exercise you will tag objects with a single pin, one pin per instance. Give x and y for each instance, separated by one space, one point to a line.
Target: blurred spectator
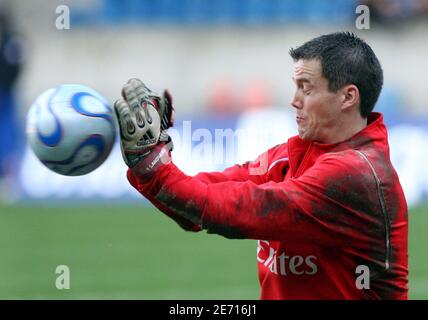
396 11
257 95
10 67
228 99
222 98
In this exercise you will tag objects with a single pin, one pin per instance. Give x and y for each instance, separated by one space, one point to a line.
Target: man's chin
302 135
305 136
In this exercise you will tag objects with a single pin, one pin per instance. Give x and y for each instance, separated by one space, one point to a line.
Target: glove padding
139 121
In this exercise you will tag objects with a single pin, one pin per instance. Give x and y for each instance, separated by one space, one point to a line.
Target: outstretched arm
236 173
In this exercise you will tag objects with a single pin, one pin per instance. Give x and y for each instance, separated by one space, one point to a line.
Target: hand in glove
139 121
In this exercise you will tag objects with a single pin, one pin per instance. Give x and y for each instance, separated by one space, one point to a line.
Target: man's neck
345 130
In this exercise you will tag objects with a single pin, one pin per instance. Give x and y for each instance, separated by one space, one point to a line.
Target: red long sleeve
235 173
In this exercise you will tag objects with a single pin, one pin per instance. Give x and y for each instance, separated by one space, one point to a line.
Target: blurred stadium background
226 63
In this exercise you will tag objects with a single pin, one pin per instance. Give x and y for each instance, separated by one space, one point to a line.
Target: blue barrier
204 12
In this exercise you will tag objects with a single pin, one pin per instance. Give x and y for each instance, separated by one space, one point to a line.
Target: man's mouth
299 119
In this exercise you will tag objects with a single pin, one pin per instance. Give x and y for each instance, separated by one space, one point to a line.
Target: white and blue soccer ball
71 129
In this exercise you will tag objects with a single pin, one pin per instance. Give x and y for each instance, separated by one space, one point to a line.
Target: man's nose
296 102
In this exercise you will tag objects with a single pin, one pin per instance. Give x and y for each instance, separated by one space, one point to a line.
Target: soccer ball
71 129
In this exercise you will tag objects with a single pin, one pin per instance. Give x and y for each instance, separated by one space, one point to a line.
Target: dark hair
346 59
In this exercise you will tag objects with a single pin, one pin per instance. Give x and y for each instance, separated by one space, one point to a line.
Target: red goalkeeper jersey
323 215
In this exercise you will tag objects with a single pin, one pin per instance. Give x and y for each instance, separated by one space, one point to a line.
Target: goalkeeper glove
139 122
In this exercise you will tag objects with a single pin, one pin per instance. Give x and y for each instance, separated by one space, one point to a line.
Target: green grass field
137 253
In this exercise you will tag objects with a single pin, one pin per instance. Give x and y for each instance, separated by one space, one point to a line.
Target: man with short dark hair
327 206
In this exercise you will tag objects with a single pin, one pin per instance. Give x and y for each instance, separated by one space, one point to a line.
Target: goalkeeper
326 207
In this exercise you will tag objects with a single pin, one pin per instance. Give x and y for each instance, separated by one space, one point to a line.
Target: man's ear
351 96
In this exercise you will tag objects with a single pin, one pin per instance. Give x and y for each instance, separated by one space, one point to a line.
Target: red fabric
320 211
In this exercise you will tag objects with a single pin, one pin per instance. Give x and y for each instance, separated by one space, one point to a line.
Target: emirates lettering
282 264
